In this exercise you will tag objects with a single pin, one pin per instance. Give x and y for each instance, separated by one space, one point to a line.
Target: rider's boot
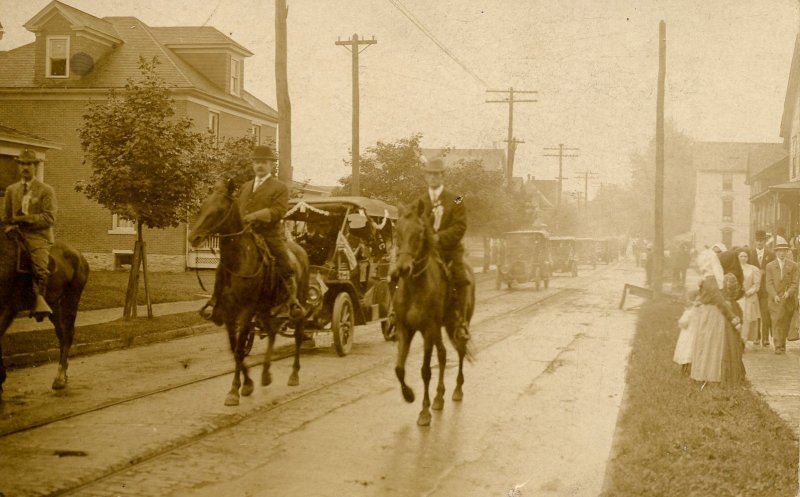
296 311
462 325
40 309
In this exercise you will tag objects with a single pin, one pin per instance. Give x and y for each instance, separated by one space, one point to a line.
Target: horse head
219 213
413 238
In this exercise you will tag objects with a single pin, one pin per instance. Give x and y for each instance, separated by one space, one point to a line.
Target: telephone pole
562 152
586 175
353 45
658 242
511 141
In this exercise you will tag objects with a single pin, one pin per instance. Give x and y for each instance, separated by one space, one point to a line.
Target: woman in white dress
751 312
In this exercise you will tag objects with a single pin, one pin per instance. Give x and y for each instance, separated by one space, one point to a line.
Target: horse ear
420 207
230 185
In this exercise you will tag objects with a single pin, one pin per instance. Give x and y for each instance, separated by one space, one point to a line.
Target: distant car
585 251
524 257
563 255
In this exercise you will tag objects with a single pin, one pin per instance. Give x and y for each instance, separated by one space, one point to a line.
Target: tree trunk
285 171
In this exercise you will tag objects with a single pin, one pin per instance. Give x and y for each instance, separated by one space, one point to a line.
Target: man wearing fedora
760 256
263 201
30 206
782 278
446 213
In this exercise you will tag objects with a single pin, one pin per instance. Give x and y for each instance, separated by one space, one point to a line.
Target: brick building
46 86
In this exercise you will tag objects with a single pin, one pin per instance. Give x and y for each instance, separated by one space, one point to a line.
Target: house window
122 226
727 181
235 69
727 210
213 125
57 57
727 237
255 131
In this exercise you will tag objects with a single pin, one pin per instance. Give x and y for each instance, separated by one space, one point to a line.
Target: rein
415 262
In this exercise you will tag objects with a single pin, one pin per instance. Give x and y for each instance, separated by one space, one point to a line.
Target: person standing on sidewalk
760 257
782 279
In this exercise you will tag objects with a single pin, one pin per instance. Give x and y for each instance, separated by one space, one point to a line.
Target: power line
416 22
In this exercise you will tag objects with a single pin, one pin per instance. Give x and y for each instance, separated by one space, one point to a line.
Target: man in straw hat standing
30 206
782 278
447 215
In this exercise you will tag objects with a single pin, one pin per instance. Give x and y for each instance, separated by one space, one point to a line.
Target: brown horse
69 272
250 285
420 305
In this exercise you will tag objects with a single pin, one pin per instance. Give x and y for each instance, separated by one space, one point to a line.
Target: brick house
46 86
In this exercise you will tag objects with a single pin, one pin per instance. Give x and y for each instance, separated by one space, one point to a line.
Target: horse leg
232 399
441 352
266 376
6 317
403 344
247 387
458 395
425 414
63 319
294 379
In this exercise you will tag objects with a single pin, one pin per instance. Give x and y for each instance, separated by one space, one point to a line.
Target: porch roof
792 188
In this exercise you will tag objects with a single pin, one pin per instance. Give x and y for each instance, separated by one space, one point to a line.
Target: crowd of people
744 295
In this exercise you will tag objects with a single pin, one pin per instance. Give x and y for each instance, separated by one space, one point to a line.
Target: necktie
257 183
24 188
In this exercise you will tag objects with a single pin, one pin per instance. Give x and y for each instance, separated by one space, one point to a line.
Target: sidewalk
775 377
87 318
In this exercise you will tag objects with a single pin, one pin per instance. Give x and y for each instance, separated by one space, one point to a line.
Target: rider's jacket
268 203
453 221
40 208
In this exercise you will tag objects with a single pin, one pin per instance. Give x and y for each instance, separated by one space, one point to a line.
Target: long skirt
709 343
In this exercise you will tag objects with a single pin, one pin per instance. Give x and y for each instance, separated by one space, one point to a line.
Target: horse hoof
247 388
438 404
266 378
458 395
59 384
232 399
424 419
294 380
408 394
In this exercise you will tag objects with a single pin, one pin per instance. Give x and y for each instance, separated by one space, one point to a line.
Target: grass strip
674 439
106 289
34 341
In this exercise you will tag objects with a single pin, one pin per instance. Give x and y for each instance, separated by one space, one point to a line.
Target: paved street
540 407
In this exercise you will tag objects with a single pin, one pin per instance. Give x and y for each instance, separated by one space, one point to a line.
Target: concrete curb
51 355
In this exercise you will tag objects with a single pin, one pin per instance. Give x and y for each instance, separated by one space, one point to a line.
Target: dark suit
450 231
268 204
37 224
780 285
763 299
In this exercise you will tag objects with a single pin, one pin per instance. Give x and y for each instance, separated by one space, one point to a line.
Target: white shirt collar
434 193
258 182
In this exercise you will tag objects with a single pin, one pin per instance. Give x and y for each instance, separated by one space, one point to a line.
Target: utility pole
586 176
285 172
511 141
658 245
353 45
562 152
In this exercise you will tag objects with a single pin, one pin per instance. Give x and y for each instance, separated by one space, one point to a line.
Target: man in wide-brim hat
760 256
782 277
30 206
448 216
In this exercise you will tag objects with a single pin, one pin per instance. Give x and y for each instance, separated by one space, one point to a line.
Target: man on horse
448 217
30 207
263 201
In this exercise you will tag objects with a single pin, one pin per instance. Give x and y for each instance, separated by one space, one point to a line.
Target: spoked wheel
343 324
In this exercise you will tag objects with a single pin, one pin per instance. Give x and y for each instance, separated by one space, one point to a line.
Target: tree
393 173
147 165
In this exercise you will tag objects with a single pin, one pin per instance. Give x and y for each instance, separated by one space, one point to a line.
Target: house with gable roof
46 86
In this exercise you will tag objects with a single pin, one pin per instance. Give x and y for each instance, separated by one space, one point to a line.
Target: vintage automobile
607 250
348 241
524 256
563 255
585 251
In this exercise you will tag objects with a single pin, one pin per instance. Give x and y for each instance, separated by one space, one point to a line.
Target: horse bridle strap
415 262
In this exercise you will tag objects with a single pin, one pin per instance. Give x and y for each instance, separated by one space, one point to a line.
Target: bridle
416 261
222 222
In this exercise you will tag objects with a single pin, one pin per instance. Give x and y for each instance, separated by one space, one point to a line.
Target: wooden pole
658 244
146 282
285 171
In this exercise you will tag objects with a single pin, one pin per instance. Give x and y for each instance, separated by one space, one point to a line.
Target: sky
593 63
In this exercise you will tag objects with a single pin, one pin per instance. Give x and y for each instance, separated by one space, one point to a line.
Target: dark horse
250 285
69 272
421 304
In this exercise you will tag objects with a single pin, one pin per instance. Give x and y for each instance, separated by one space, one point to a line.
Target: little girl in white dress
685 345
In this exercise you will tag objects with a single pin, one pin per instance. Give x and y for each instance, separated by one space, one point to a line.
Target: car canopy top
370 206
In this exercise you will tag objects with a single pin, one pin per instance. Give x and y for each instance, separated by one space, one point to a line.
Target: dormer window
235 80
57 57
